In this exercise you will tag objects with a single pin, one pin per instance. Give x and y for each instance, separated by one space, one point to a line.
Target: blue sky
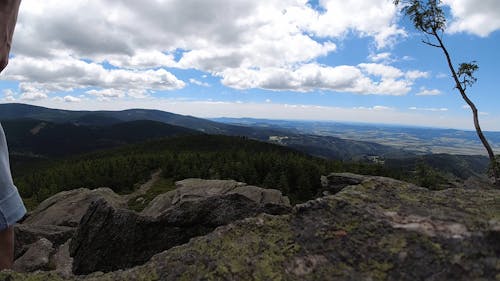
332 60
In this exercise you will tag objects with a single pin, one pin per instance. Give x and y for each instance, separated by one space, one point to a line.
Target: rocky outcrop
372 229
193 210
197 189
26 235
37 257
68 207
110 239
62 261
39 240
335 182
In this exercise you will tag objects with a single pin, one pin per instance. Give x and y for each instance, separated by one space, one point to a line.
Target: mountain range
36 132
417 139
36 128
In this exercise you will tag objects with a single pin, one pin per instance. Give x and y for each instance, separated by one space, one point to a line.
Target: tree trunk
460 88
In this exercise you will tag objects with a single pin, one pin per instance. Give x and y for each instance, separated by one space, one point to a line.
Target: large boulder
110 239
68 207
197 189
378 229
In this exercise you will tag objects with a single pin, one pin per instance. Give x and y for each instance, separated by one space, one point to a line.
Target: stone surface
334 183
67 208
110 239
196 189
37 257
26 235
62 261
378 229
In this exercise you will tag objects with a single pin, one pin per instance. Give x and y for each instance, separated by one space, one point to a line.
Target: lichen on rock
372 229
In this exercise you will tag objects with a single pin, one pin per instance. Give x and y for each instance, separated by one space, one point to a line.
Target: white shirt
11 205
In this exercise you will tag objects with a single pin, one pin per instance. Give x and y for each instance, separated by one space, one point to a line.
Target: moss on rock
379 229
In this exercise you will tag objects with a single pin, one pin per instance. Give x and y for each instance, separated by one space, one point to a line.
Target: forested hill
329 147
103 118
200 156
47 139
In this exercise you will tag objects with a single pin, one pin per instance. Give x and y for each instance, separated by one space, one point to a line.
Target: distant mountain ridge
104 117
331 147
424 140
30 136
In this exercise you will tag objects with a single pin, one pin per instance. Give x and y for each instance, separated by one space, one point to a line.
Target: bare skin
6 248
8 18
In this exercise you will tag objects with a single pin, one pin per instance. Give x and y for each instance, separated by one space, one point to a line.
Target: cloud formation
126 48
476 17
122 47
427 92
39 76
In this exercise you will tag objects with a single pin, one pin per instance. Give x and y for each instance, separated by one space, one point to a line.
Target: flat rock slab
68 207
198 189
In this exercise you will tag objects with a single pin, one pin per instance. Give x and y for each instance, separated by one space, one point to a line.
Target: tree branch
431 44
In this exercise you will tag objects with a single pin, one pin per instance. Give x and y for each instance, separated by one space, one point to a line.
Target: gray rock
109 239
379 229
197 189
25 235
37 257
335 182
62 261
67 208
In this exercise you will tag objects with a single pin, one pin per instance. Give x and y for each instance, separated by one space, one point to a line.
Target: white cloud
107 93
385 57
138 93
59 49
199 83
67 74
427 92
9 95
368 18
31 93
433 109
416 74
366 79
477 17
33 96
375 108
69 98
385 71
141 60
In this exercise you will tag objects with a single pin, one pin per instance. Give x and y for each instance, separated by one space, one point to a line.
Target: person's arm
6 248
8 18
9 198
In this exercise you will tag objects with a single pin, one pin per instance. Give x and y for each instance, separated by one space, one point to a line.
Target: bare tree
429 18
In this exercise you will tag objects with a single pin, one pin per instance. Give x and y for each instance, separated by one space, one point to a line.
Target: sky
330 60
